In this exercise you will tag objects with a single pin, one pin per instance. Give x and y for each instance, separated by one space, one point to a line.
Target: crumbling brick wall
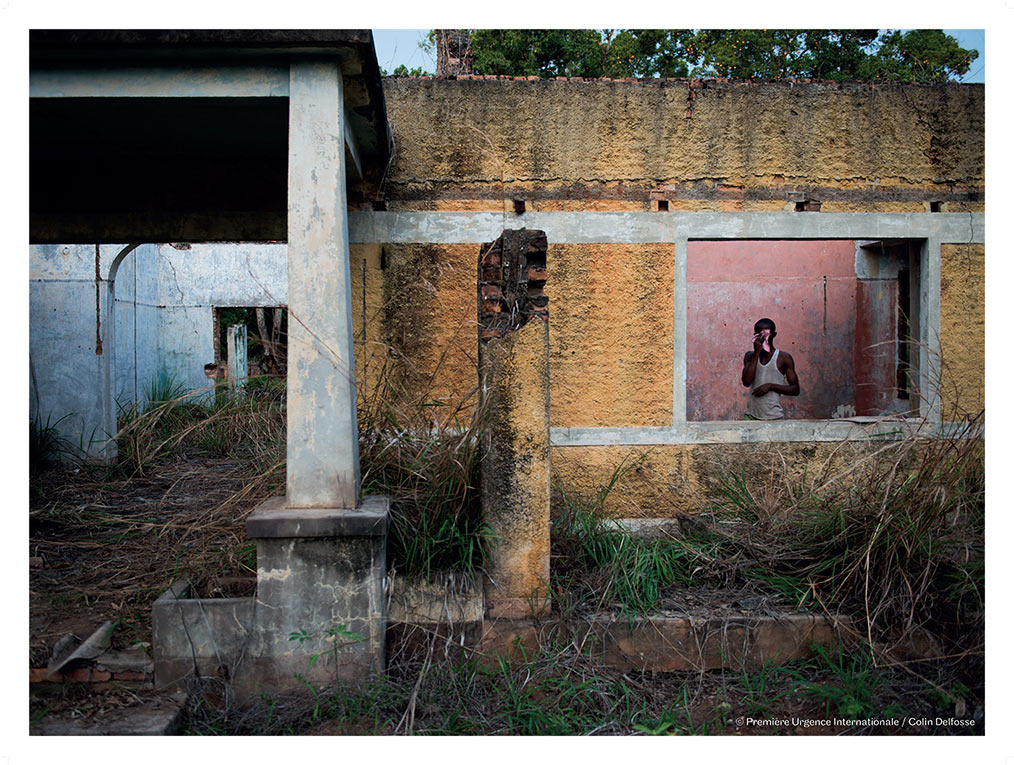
512 275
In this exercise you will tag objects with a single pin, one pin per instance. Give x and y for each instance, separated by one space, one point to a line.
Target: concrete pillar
236 357
321 556
514 380
323 445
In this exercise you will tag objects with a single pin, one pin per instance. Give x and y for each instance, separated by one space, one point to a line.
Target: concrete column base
320 578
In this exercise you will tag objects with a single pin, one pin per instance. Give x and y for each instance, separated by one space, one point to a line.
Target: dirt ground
103 546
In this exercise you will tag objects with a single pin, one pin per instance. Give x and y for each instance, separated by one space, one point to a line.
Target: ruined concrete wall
514 382
89 334
611 338
136 312
67 326
704 145
664 480
479 144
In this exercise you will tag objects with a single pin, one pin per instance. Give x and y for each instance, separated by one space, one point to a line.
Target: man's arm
788 368
750 361
749 368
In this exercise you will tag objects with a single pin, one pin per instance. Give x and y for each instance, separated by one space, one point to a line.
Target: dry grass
889 533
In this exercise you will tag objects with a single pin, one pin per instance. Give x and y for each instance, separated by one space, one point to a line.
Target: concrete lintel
744 432
612 436
650 227
161 82
273 520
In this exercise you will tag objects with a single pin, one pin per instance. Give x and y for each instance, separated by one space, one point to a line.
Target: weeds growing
889 534
423 453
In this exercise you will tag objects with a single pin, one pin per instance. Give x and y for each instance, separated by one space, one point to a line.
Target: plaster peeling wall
161 323
181 287
963 327
478 144
68 330
470 144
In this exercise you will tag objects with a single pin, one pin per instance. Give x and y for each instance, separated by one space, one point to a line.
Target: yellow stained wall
705 145
962 329
610 334
475 145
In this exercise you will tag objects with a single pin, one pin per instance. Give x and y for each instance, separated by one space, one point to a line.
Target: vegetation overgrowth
890 534
842 55
560 690
886 533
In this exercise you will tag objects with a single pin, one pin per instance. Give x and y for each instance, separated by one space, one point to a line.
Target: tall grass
895 536
46 447
604 566
424 453
889 533
425 457
247 425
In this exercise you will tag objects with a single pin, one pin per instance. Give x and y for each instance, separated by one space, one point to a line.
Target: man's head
763 324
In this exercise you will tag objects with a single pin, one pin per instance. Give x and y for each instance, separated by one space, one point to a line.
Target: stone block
206 637
320 610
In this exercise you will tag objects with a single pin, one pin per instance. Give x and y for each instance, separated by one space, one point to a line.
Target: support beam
322 446
652 227
679 335
161 82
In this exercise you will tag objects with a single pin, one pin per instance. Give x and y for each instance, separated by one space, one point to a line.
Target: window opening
844 312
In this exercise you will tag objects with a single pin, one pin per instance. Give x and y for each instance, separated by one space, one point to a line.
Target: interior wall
808 288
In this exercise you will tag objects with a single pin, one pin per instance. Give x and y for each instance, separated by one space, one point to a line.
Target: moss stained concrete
711 142
516 469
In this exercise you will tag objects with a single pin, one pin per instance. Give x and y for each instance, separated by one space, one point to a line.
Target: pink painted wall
807 287
876 349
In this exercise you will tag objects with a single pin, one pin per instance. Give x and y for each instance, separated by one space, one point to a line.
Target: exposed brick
537 274
41 675
86 675
130 677
512 271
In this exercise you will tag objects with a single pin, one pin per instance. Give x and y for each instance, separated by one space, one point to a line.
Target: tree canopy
865 55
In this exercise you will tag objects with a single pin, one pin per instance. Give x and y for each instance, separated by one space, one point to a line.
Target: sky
401 46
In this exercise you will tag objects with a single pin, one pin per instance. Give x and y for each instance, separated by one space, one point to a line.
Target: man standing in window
769 373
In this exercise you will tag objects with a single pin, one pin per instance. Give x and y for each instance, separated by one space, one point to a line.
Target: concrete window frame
930 230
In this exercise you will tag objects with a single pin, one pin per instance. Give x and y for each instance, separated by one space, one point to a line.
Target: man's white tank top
768 406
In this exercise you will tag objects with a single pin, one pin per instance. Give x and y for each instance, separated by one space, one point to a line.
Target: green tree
919 55
541 52
403 71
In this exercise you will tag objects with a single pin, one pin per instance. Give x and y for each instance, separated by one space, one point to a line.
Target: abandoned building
656 220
